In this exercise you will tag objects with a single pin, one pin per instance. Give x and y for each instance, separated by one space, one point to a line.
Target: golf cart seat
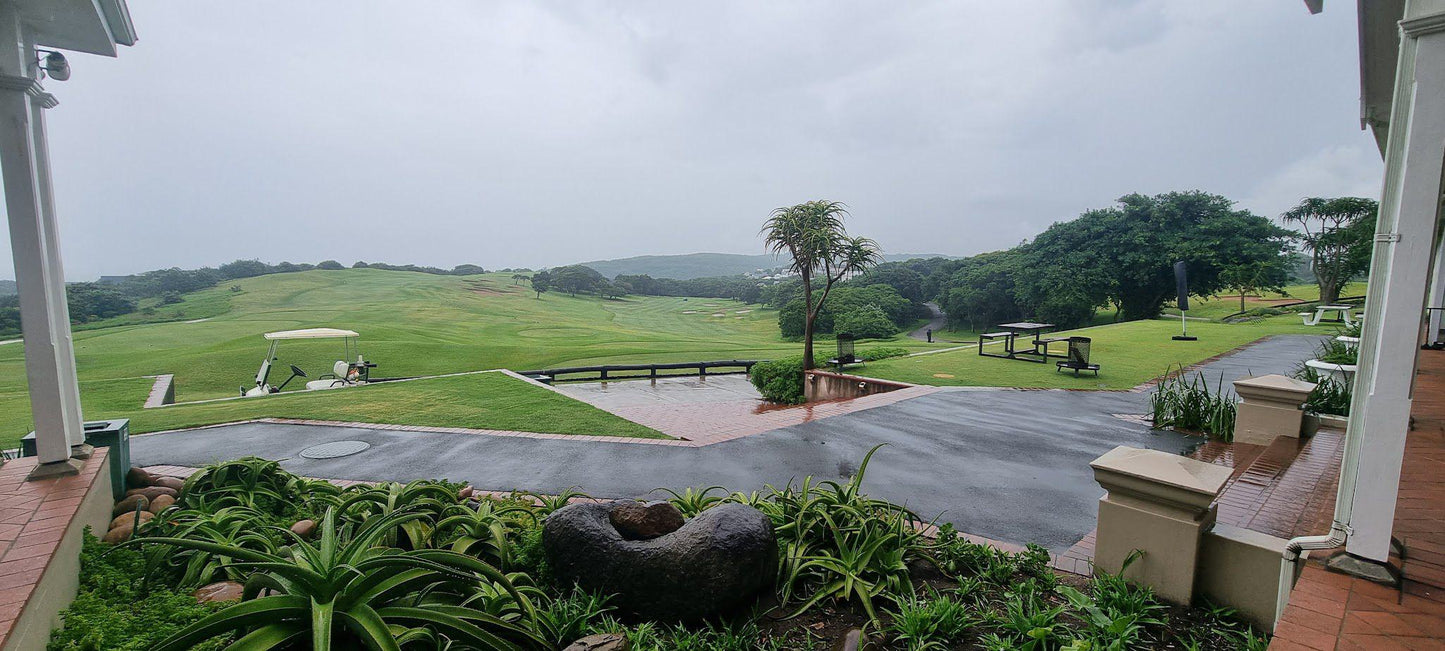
336 378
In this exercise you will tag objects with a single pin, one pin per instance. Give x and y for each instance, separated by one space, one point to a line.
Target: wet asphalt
1011 465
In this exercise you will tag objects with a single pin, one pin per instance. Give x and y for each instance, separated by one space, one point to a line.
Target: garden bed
430 564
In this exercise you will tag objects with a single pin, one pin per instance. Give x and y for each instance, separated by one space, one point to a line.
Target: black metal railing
635 371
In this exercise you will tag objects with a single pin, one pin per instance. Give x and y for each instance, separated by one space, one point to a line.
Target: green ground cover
1129 353
412 324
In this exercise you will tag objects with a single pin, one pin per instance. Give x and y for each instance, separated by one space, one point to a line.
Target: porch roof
90 26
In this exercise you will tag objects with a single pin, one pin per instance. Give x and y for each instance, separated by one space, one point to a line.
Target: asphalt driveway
1007 464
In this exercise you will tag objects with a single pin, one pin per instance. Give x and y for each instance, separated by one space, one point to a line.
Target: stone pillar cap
1160 476
1276 386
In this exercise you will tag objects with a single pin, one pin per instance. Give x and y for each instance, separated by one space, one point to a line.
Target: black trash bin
113 434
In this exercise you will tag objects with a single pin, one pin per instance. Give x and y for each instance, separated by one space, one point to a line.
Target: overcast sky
540 133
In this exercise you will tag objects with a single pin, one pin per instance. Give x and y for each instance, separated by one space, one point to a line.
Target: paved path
1011 465
939 320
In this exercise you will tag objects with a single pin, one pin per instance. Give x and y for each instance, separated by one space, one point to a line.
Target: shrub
1189 404
881 352
867 322
779 380
116 609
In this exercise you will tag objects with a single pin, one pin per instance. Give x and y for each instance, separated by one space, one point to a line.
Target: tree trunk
808 316
1241 300
807 341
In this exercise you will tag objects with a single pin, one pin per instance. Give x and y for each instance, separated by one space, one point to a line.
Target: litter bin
113 434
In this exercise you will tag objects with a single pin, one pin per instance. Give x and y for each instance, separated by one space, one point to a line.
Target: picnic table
1342 314
1038 350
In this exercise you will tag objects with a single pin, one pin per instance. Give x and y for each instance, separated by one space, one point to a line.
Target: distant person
930 335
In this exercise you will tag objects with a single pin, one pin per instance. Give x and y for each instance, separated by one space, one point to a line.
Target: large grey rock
716 562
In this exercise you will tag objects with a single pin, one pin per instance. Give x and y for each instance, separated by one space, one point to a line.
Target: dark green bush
779 380
117 609
866 322
881 352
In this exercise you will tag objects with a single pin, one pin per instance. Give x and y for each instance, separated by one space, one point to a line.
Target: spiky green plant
692 501
492 530
348 591
1188 403
362 503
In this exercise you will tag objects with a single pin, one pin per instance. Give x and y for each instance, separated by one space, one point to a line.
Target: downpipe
1289 565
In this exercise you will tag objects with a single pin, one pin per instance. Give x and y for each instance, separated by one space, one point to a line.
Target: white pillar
38 307
1405 244
55 276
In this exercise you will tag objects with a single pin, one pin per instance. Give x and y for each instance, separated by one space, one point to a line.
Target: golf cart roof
311 333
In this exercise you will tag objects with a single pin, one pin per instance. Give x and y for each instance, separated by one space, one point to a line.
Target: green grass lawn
1224 305
411 324
1129 353
480 400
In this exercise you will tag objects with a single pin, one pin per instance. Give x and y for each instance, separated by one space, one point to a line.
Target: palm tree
813 234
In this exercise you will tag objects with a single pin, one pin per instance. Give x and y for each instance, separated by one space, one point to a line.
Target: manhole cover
335 449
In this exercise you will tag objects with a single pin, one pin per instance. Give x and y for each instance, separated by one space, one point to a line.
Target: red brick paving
34 516
706 423
1333 612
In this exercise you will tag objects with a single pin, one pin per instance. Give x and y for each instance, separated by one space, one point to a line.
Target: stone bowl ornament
713 563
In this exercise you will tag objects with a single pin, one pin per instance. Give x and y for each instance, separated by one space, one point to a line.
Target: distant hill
7 287
704 265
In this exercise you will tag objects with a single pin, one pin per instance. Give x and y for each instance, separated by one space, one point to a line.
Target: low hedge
779 380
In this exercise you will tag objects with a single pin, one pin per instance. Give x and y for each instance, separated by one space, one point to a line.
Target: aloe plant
692 501
362 503
491 529
347 591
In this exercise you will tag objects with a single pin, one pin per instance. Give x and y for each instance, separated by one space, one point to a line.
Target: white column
1405 244
27 241
55 276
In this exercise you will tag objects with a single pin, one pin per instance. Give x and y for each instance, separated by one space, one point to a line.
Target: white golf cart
343 373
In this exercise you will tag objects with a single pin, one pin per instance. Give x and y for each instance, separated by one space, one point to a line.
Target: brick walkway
34 519
711 410
1330 611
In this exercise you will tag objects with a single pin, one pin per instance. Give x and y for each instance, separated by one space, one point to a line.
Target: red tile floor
34 518
1330 611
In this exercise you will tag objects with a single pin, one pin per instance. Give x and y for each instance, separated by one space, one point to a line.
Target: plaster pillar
72 419
1405 245
1270 408
1159 504
38 306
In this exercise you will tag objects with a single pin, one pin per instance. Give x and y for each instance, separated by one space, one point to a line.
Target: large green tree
819 246
1338 234
1125 254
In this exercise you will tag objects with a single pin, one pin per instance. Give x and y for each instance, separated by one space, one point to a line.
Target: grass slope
411 324
479 400
1129 353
